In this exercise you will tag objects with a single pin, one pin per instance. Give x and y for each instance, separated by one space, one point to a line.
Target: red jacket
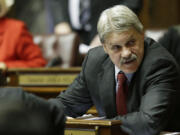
16 46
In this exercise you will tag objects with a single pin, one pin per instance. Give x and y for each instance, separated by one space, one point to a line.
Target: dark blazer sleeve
158 97
48 109
76 99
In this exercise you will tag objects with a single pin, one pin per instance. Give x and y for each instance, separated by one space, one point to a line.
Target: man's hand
62 28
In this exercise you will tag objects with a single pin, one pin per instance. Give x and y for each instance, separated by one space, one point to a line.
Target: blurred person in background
23 113
16 119
81 16
35 13
17 49
171 41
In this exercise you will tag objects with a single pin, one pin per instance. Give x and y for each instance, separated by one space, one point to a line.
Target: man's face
126 49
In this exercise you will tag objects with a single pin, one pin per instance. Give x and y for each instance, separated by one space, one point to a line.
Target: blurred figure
22 113
82 15
171 41
17 49
35 13
16 119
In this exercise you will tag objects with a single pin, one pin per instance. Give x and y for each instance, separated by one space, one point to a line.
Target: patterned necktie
121 94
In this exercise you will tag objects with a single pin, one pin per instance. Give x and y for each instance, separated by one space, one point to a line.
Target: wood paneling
160 14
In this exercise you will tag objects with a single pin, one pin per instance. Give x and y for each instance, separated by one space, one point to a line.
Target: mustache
125 60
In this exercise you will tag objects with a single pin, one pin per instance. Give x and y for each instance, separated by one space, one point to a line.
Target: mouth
129 61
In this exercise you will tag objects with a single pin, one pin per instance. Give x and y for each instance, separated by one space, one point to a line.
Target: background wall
160 14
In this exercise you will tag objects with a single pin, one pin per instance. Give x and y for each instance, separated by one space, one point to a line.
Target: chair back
59 50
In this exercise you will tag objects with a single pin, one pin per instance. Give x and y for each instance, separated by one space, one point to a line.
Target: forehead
121 37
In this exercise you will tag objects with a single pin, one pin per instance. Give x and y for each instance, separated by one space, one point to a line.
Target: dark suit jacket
50 111
171 41
60 12
153 91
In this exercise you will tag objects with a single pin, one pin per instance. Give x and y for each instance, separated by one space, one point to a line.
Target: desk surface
93 127
39 78
93 122
45 70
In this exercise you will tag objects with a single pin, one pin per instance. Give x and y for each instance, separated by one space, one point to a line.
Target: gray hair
118 18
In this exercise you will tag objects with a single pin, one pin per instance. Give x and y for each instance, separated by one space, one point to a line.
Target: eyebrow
128 39
131 37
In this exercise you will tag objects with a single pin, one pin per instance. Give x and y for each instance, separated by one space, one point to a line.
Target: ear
105 47
143 35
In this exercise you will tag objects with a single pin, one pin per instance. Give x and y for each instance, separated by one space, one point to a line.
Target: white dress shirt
74 13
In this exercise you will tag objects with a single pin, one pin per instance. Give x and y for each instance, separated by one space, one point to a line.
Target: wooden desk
42 81
93 127
98 127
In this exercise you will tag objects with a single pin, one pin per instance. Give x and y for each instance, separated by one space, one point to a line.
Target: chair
60 50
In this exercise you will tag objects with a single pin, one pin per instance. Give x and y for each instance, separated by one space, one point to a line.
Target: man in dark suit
152 100
61 12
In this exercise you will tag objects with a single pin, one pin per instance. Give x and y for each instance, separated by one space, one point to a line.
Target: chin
129 70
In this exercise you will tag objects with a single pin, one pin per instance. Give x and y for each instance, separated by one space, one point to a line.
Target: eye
116 47
131 42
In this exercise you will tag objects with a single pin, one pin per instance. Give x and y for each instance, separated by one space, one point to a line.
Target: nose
126 53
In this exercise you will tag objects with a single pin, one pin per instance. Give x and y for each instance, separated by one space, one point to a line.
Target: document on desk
96 118
88 117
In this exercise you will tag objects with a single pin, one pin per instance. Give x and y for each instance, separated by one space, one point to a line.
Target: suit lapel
107 88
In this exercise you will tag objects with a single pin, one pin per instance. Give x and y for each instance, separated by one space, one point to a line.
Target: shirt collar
128 75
